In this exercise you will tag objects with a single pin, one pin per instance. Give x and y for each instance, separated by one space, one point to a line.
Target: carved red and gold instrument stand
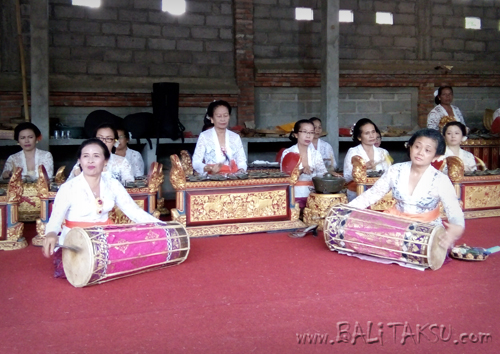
318 205
479 195
486 149
145 197
11 230
232 207
363 182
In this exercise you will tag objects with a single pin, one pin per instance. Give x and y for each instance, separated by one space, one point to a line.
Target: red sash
423 217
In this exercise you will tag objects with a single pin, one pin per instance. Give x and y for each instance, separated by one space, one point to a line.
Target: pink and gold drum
105 253
382 235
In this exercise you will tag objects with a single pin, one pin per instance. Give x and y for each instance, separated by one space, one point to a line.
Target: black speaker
165 97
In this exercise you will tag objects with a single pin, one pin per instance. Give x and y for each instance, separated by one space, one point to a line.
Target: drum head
78 266
435 253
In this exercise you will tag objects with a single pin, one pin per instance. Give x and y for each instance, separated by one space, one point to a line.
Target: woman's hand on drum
49 243
453 233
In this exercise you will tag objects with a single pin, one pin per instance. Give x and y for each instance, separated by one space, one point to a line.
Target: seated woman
454 134
218 149
378 140
117 166
29 158
377 159
418 187
322 146
87 199
444 112
311 164
133 157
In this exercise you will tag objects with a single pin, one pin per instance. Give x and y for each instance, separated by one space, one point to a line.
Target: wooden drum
110 252
382 235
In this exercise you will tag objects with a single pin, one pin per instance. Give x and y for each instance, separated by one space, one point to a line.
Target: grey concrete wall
385 106
433 28
472 101
134 38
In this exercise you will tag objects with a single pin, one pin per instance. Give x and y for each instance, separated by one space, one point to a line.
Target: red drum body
377 234
114 251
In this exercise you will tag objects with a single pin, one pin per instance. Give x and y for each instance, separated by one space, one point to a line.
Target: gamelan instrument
382 235
110 252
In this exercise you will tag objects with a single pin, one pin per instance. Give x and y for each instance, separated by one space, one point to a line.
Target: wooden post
23 65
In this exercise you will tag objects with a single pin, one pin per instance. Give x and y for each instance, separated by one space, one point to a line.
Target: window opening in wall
472 23
384 18
88 3
304 14
346 16
175 7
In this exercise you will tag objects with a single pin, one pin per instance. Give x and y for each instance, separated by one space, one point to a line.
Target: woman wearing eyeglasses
133 157
376 158
311 164
117 166
322 146
219 150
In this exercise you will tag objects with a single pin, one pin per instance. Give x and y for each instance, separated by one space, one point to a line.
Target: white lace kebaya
136 162
433 187
41 158
208 151
466 157
117 166
438 112
316 165
326 151
76 202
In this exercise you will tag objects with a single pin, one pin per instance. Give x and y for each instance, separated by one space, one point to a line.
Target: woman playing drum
219 150
418 187
86 200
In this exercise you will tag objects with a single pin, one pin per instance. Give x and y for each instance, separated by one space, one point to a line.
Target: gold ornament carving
294 177
156 177
177 217
213 207
187 164
15 188
476 197
15 239
475 214
318 205
237 183
295 212
455 169
177 175
387 202
60 178
242 228
481 142
359 170
42 183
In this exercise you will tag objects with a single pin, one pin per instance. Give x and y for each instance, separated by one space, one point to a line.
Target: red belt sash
423 217
83 224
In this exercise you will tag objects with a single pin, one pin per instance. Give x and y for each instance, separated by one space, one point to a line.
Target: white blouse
76 202
326 151
208 151
380 155
466 157
433 187
41 158
118 167
316 165
136 162
438 112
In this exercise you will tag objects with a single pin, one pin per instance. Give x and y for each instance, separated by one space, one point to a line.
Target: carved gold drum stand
318 205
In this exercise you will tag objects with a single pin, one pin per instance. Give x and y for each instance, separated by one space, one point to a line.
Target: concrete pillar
8 37
330 71
39 18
